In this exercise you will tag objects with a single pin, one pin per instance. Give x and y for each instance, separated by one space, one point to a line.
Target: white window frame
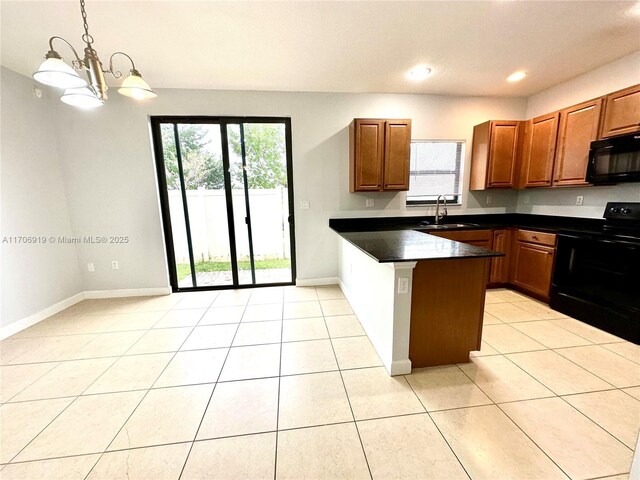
454 198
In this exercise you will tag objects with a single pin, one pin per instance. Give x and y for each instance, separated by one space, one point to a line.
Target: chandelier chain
87 38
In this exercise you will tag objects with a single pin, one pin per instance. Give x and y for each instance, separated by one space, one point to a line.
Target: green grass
184 270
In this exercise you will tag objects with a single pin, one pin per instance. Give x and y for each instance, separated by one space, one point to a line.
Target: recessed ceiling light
418 73
516 76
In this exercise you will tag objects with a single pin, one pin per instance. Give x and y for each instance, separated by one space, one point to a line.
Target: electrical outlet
91 267
114 265
488 199
369 203
305 205
403 285
527 199
579 200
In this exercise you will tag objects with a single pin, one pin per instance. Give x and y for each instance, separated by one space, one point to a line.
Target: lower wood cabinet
532 262
528 256
479 238
485 238
500 242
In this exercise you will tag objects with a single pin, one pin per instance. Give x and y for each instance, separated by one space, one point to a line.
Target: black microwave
615 160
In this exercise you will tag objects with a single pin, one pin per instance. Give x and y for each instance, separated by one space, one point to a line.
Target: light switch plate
305 205
91 267
369 203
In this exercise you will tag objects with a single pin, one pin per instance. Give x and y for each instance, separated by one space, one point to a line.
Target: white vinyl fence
210 232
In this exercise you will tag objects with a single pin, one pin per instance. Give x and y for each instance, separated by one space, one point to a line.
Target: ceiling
326 46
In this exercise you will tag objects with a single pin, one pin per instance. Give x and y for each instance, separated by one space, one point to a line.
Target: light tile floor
283 383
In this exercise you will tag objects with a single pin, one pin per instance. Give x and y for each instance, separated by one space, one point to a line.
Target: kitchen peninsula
419 297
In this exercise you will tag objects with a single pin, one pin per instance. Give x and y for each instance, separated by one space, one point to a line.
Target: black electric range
597 273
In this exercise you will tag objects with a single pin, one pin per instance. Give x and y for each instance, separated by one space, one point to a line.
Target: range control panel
622 211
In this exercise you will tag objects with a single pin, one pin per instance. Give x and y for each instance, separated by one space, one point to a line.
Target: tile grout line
591 372
531 439
596 424
604 345
204 413
436 425
344 386
556 395
275 458
512 421
143 396
175 353
75 399
70 403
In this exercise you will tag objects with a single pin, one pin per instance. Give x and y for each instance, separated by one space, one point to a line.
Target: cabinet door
397 153
540 147
621 112
500 265
533 265
368 155
578 128
503 150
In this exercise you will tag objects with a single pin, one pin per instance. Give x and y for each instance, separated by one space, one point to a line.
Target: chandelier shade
56 73
82 97
134 86
92 93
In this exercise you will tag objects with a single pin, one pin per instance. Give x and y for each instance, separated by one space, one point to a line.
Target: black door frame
223 122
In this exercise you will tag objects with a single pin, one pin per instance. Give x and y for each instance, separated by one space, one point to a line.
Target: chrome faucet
440 216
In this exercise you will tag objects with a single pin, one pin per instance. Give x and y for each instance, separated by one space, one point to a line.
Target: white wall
611 77
111 179
33 203
384 314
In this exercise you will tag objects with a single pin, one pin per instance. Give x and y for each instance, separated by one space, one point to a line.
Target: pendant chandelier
78 92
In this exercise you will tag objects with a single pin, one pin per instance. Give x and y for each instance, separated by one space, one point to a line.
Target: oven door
596 280
615 160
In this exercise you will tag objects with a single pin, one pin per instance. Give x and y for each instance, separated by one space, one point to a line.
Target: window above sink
435 169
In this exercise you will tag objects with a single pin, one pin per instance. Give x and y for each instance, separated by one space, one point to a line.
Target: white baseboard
400 367
32 319
312 282
127 292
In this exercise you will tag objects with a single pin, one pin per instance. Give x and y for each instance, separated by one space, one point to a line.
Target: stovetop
622 223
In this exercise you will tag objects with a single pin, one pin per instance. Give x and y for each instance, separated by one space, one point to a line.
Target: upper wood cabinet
379 154
578 128
494 154
621 112
397 153
539 150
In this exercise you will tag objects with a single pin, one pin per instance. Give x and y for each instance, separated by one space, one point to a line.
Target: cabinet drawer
537 237
466 236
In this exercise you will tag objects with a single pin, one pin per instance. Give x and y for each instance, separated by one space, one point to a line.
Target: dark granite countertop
398 239
544 223
407 245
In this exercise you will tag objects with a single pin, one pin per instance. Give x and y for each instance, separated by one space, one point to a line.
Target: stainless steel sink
444 226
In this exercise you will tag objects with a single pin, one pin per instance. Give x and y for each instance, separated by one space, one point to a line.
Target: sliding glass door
226 195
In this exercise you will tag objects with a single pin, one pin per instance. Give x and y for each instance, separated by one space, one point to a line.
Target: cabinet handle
534 237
